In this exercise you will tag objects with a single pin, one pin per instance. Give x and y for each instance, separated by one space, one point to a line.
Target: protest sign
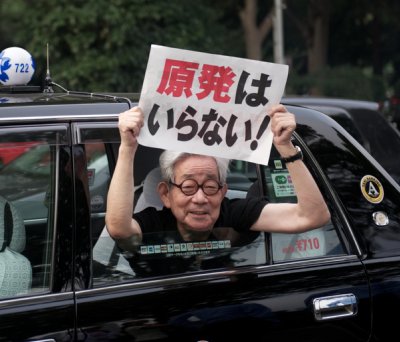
209 104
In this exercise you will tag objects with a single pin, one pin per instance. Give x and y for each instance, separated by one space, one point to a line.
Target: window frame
56 137
309 160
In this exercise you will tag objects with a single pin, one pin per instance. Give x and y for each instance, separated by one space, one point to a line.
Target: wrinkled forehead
196 166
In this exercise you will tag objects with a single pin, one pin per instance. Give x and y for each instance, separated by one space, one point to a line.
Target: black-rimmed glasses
189 187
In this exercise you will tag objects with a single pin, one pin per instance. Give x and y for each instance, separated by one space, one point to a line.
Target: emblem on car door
372 189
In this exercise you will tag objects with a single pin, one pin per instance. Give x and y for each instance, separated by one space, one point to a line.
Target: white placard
210 104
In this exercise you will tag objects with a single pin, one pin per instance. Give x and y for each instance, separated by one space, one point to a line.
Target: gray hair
168 159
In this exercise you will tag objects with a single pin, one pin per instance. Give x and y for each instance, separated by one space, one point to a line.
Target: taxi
62 277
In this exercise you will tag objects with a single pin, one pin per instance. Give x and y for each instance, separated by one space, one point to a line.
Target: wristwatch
297 156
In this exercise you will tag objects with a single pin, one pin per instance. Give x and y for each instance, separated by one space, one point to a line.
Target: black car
365 122
62 278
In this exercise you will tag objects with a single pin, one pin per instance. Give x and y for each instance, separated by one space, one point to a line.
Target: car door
371 199
36 297
307 287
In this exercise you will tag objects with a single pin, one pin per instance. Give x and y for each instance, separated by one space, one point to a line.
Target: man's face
195 214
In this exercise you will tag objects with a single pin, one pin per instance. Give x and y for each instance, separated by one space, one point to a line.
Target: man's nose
200 196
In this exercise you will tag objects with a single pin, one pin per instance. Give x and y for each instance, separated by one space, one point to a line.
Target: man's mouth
198 212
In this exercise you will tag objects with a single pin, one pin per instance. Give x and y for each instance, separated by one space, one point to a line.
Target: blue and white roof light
17 66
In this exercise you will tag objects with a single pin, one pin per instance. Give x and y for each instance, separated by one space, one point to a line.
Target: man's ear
224 189
163 191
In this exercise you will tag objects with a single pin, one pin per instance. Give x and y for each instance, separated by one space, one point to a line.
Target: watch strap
297 156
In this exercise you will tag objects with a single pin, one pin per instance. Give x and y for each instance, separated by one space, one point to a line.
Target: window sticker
185 248
372 189
300 245
97 203
91 175
282 183
295 246
278 164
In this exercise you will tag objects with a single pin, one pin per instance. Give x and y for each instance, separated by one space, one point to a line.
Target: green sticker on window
283 185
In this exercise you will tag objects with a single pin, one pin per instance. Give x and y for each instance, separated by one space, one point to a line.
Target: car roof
28 106
35 106
331 102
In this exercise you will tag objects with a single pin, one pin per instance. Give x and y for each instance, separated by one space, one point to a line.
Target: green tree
361 48
102 45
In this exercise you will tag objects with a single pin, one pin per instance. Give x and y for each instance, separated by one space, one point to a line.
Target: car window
111 263
28 186
164 255
107 263
319 242
99 178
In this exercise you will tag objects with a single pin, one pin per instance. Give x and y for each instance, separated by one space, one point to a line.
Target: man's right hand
119 220
130 123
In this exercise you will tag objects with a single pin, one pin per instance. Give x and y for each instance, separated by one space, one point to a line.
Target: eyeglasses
189 187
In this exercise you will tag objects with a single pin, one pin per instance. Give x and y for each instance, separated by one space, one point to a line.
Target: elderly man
193 192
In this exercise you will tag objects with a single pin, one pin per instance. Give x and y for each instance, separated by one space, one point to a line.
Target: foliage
362 34
343 81
102 45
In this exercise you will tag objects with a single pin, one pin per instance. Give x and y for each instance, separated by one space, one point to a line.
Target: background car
9 153
75 284
365 122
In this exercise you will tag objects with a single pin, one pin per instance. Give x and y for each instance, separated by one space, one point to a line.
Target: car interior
15 268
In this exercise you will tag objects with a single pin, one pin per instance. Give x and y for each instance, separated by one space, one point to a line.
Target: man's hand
130 123
119 220
283 124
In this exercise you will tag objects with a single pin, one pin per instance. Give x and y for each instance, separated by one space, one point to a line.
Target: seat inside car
15 268
150 197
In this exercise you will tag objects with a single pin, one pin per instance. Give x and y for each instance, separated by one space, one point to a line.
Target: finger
283 128
279 108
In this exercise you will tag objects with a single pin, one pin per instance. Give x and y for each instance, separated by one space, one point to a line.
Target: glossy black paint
82 233
223 304
345 165
50 315
365 121
271 302
62 274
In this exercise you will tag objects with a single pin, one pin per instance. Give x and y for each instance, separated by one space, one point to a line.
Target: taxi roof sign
17 66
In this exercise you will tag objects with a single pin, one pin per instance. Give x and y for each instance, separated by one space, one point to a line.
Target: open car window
165 254
321 242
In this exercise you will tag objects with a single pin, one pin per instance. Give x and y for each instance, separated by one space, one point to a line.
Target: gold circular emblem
372 189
